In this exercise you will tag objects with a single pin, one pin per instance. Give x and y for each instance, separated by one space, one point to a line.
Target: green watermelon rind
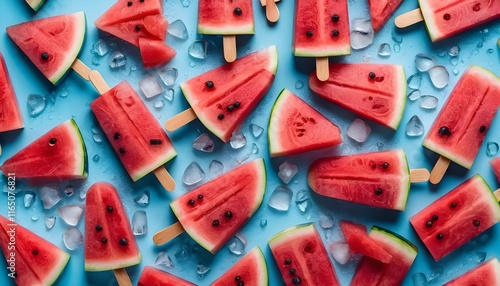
156 164
429 144
400 106
58 269
35 4
261 271
85 168
395 240
429 19
318 52
273 143
405 185
294 231
495 204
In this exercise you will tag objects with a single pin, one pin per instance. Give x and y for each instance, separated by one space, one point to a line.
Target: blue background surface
291 72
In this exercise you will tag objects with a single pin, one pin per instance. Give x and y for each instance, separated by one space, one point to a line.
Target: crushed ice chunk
178 30
238 140
359 130
193 174
280 198
159 104
237 244
83 193
301 196
150 86
287 171
325 221
303 206
198 49
419 279
49 221
492 148
255 149
414 127
168 94
100 48
182 252
185 3
428 102
361 33
29 198
139 223
72 238
384 50
204 143
117 60
216 167
50 196
397 48
414 95
71 214
168 76
415 81
454 51
142 199
163 259
36 104
340 252
256 130
439 76
202 270
424 62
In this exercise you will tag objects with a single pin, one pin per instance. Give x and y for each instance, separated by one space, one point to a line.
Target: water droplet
71 214
492 148
489 51
100 48
455 71
139 223
454 51
280 198
439 76
178 30
204 143
159 104
415 81
142 199
287 171
358 130
263 223
168 76
479 256
193 174
419 279
216 167
168 94
414 127
97 138
96 60
414 95
384 50
325 221
117 60
49 221
424 62
96 158
303 206
480 45
238 140
366 58
36 104
428 102
256 130
397 48
72 238
164 260
396 38
299 84
50 196
150 86
361 33
192 64
198 49
185 3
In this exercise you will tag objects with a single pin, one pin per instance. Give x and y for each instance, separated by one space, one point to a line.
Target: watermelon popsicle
227 18
321 30
212 213
457 217
462 124
446 18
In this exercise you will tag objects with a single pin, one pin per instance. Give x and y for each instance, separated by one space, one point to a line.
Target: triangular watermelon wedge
358 240
122 11
52 44
60 154
37 261
155 53
35 4
10 114
151 276
295 127
251 270
381 11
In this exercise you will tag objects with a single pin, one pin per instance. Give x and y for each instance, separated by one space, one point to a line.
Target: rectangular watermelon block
137 138
461 126
488 273
446 18
10 115
222 17
457 217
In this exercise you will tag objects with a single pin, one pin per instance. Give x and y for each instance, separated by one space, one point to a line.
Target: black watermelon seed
309 34
378 191
428 224
122 151
228 214
142 1
220 116
288 261
104 240
335 33
116 136
123 241
129 4
109 209
237 11
476 223
482 128
292 271
447 17
444 131
35 252
155 142
52 141
237 104
385 165
215 223
191 202
230 108
296 281
335 18
45 56
200 197
209 84
435 217
372 75
237 278
241 283
439 236
98 227
453 205
137 28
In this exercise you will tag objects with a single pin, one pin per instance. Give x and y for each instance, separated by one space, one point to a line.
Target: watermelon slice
486 274
358 240
321 28
380 179
109 242
155 53
155 277
60 154
468 210
461 126
495 164
35 4
302 258
122 12
373 272
225 17
446 18
52 44
373 91
250 270
381 11
10 115
296 127
136 136
224 97
212 213
31 260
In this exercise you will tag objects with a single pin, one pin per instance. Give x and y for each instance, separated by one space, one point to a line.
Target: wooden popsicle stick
409 18
229 43
122 277
272 12
419 175
165 179
99 83
167 234
322 68
263 2
81 69
439 169
180 120
497 194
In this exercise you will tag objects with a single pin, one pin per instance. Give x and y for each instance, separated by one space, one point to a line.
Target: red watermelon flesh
60 154
222 206
301 248
358 240
381 99
251 270
122 12
446 18
109 242
52 44
244 81
457 217
10 115
296 127
466 116
155 53
37 261
495 164
155 277
321 28
375 273
486 274
220 17
381 11
379 179
136 136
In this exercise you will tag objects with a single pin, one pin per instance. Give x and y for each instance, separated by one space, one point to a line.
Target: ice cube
439 76
168 94
384 50
299 84
159 104
71 214
49 221
168 76
414 127
178 30
237 244
303 206
366 58
340 252
256 130
193 174
287 171
280 198
216 167
454 51
117 60
424 62
50 196
414 95
361 33
150 86
163 259
428 102
100 48
139 223
72 238
202 270
301 196
29 198
182 252
415 81
36 104
198 49
142 199
263 223
492 148
204 143
238 140
325 221
419 279
255 149
359 130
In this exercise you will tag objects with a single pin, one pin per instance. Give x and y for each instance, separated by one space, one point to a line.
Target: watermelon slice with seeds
122 12
381 11
155 277
296 127
10 115
358 240
251 270
223 18
52 44
35 4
